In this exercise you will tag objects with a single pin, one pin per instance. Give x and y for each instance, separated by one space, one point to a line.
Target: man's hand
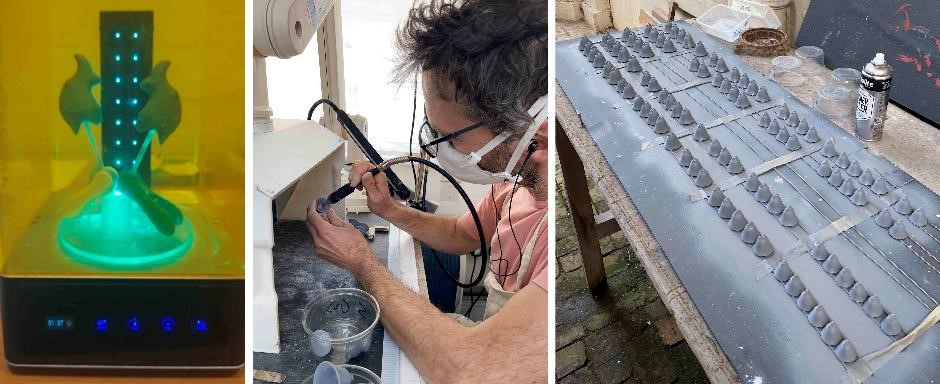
379 199
337 241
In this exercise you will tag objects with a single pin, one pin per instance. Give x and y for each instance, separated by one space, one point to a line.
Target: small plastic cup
329 373
835 100
786 70
813 59
339 323
847 77
359 375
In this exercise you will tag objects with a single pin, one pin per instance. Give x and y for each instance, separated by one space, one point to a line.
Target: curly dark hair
494 54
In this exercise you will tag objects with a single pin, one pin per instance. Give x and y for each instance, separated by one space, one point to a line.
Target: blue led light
117 122
117 142
117 57
101 325
134 101
117 35
117 162
200 326
117 79
135 35
134 143
135 57
133 324
167 324
134 79
117 101
134 122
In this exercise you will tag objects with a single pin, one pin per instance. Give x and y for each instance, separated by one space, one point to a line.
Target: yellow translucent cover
47 170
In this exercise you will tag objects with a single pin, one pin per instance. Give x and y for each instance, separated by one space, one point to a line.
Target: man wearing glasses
484 68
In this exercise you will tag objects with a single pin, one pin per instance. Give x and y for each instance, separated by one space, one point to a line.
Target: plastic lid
761 14
879 59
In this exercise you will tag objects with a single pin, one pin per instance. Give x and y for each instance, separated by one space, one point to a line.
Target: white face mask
466 166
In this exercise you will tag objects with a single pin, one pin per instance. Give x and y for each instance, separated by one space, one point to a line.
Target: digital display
60 323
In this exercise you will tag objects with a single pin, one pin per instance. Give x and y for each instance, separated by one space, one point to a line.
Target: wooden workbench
113 377
913 145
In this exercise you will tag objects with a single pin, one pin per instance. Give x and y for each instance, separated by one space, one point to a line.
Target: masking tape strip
760 169
866 366
746 112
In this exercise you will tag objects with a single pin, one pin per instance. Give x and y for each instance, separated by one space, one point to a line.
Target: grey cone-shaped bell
898 231
783 136
653 86
637 44
847 188
645 110
735 75
737 221
662 96
858 293
712 59
788 217
734 166
599 60
724 157
703 71
782 272
626 34
608 71
873 307
794 286
669 47
794 119
646 51
818 317
829 148
733 94
836 179
859 198
831 334
701 134
749 234
700 50
867 178
843 160
647 30
762 95
633 65
630 40
793 144
743 81
654 34
676 111
806 302
763 248
686 118
714 149
661 41
717 80
645 78
773 128
880 186
752 183
721 66
681 34
584 44
752 88
672 142
784 112
819 252
628 92
591 54
621 84
918 217
614 77
670 100
803 128
832 265
890 325
624 54
884 219
811 135
694 167
775 205
764 120
638 102
846 352
662 127
845 279
763 193
824 169
716 198
685 159
652 117
726 209
688 43
703 180
725 86
903 206
742 101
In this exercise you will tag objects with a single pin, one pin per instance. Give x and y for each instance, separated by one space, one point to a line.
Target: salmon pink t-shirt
526 214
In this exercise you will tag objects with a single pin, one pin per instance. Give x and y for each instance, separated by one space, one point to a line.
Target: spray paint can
873 99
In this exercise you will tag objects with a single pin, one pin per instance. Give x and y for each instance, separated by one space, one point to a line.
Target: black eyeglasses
428 137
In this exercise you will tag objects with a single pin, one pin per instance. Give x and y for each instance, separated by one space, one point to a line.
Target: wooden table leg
579 201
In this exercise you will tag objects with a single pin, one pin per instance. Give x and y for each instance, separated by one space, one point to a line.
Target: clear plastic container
339 323
835 100
360 375
813 59
787 70
848 77
728 22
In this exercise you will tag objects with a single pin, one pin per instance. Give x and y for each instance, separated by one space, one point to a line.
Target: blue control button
200 326
133 324
101 324
167 324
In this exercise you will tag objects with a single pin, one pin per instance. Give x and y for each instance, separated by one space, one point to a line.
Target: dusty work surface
757 323
299 277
